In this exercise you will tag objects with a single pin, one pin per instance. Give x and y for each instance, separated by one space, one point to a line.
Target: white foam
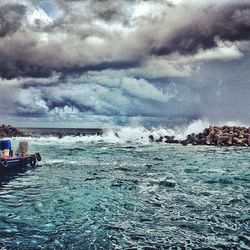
194 127
132 134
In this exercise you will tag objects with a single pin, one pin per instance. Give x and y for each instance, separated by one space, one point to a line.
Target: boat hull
17 162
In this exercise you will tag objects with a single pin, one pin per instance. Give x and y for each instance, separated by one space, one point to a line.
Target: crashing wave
129 134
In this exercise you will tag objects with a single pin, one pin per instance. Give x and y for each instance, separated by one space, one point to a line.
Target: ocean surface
119 191
61 131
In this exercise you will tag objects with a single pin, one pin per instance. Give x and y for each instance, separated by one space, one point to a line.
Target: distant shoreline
61 131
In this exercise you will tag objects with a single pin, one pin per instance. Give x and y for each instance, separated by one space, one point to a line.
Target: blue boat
15 162
9 161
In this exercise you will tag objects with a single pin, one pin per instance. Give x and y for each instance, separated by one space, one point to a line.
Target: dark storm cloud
66 101
98 35
10 18
108 10
123 98
226 23
109 58
22 68
23 111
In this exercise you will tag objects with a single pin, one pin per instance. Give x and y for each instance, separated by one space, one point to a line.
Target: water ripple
111 196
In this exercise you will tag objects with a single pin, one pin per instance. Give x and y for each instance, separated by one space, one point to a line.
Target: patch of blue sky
50 8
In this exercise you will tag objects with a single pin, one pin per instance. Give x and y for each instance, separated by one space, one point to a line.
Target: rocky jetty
9 131
213 135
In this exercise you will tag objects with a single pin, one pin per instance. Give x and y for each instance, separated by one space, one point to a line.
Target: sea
114 189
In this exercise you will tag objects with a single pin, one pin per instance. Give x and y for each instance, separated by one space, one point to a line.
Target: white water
135 134
130 134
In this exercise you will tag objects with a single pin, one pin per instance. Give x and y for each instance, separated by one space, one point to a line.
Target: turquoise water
94 194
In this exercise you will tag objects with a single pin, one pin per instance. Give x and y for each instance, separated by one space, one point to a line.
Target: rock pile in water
9 131
214 135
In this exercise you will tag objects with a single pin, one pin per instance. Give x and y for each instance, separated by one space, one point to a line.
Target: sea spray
135 134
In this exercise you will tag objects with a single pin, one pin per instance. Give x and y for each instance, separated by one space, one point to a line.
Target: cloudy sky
94 63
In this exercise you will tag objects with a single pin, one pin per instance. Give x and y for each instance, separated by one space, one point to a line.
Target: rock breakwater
9 131
213 135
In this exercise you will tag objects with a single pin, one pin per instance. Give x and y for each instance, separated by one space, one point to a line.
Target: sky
101 63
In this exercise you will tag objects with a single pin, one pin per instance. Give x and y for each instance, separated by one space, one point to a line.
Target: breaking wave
130 134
